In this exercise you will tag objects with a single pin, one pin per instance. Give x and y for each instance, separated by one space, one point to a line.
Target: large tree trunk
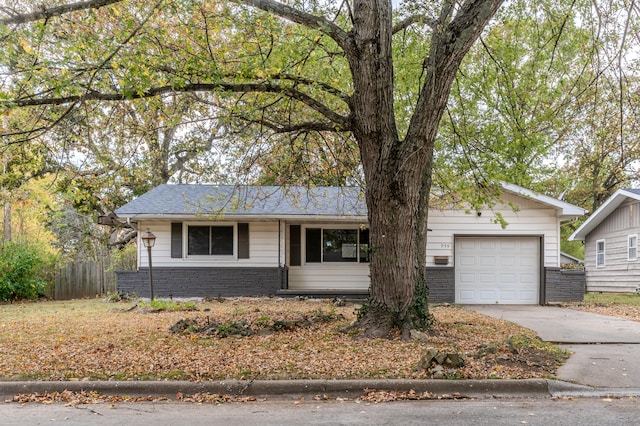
395 181
398 241
398 172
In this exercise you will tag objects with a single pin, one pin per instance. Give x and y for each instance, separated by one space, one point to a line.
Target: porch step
349 295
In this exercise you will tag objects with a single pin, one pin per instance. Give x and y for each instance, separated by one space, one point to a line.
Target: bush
125 259
21 272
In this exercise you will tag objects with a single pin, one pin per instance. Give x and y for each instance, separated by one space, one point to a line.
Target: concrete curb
559 389
526 388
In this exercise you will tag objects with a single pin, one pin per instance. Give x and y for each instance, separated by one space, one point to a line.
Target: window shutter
176 240
314 245
243 241
294 243
364 245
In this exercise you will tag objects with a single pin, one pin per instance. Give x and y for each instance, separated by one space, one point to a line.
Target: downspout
279 258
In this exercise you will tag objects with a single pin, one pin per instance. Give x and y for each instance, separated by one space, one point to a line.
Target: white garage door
497 270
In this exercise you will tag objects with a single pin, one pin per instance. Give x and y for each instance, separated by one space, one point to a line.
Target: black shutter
176 240
294 237
364 245
314 245
243 241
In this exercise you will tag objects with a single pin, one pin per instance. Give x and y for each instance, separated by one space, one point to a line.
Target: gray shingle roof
246 201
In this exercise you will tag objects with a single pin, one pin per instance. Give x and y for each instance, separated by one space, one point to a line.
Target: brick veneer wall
564 285
200 282
441 283
560 285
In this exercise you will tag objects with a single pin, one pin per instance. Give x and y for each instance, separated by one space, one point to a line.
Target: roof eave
567 216
601 213
231 217
567 210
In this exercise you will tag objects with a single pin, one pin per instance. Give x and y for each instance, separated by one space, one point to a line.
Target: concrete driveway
606 350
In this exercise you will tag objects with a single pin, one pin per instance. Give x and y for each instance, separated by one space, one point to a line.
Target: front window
632 247
337 245
600 253
210 240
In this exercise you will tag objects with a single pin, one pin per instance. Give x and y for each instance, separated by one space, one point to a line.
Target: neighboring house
232 241
570 262
610 237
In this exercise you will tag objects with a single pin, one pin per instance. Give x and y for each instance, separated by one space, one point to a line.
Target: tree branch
312 103
279 76
450 42
291 128
46 13
308 20
414 19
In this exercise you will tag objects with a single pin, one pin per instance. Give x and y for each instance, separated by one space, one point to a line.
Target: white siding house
270 240
610 237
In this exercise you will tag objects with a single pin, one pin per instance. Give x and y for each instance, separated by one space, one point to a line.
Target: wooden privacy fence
83 279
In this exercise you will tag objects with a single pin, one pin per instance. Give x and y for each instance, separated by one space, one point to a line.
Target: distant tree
19 164
517 95
111 153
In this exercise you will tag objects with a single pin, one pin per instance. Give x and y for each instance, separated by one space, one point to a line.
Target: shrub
21 272
125 259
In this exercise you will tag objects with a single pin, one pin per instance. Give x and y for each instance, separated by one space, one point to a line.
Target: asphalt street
543 412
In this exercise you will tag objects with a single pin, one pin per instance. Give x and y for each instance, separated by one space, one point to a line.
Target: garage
490 270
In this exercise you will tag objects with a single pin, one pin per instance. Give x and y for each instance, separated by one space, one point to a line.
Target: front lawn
610 299
623 305
95 340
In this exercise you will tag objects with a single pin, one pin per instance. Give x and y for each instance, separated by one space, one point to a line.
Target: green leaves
20 272
517 96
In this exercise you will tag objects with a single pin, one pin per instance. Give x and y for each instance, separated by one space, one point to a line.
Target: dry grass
623 305
94 340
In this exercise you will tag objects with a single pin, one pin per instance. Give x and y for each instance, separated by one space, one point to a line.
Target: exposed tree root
376 322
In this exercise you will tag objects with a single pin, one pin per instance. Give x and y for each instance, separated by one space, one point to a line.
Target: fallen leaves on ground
73 398
614 310
93 340
377 396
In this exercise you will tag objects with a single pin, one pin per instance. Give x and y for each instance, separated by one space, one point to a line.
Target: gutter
195 218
